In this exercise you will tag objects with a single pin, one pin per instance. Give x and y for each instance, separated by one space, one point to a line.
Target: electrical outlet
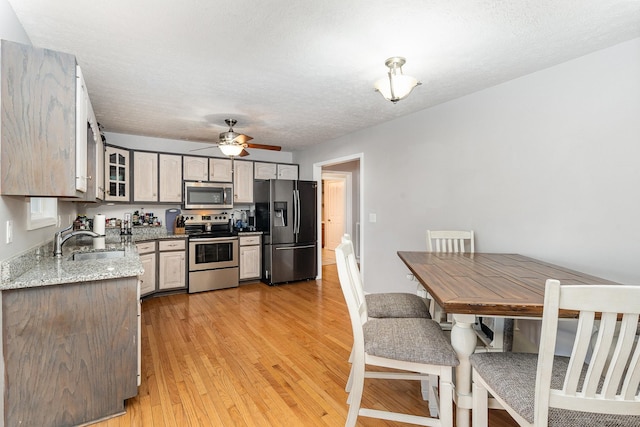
9 231
69 220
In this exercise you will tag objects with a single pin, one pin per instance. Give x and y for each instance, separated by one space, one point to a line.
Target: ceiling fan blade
204 148
241 139
243 153
265 147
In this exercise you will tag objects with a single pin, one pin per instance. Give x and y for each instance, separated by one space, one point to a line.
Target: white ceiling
295 73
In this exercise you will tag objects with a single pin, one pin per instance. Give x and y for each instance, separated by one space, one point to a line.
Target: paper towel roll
98 243
99 224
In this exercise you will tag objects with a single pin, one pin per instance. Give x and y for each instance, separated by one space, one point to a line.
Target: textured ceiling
295 73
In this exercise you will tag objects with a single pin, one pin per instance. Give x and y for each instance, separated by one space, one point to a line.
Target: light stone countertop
31 270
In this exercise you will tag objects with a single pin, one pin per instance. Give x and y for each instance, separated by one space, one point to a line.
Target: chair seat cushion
396 305
513 377
408 339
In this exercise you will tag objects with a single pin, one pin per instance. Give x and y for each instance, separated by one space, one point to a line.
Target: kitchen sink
84 256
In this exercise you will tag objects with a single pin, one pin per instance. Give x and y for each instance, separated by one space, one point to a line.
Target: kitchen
596 144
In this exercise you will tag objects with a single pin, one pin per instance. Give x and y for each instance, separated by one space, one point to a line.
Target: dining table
472 285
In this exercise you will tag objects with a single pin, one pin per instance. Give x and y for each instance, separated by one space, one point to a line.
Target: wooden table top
508 285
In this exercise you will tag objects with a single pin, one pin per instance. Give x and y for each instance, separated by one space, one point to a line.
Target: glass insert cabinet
117 163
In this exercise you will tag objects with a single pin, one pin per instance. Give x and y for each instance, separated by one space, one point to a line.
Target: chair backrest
450 241
611 382
351 284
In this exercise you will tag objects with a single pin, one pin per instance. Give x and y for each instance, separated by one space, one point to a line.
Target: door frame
358 239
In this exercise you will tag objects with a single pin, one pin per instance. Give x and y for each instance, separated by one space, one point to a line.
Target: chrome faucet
59 240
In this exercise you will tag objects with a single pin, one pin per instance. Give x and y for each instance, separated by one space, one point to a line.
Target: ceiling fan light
396 85
231 150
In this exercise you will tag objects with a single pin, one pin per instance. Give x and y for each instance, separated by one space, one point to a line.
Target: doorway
339 205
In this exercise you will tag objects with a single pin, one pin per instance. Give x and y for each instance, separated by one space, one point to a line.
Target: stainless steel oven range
213 252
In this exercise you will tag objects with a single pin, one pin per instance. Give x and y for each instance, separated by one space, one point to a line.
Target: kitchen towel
99 224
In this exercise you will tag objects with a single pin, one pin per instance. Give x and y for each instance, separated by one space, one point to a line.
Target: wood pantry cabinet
172 257
38 139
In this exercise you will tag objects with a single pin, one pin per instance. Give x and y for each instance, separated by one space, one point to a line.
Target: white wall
15 208
547 165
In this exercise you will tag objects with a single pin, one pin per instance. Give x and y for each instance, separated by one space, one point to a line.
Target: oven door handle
291 248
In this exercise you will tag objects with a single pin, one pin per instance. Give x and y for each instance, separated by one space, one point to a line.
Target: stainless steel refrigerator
286 214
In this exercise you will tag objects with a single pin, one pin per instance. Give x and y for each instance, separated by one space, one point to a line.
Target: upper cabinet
265 170
170 178
220 170
287 171
195 168
38 140
242 182
116 164
145 176
275 171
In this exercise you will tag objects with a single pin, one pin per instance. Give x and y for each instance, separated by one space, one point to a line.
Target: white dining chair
447 241
595 386
396 305
450 241
393 304
416 347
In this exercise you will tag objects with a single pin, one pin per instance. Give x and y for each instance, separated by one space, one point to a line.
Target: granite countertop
249 233
40 268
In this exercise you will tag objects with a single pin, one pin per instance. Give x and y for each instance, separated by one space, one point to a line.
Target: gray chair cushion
513 377
396 305
409 339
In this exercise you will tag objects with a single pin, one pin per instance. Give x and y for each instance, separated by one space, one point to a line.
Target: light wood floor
255 356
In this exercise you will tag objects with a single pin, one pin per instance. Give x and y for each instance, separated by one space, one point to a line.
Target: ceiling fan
233 144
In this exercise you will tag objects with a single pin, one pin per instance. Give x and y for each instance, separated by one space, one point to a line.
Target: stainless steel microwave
208 195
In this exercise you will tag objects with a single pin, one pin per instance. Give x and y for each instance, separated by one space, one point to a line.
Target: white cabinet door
287 171
195 168
249 262
145 177
148 278
170 178
172 270
99 172
82 101
242 182
220 170
116 164
265 170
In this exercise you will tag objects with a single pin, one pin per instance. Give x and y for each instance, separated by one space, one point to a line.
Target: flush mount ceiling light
396 85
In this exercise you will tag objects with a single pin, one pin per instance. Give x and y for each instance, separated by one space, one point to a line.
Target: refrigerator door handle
296 228
292 248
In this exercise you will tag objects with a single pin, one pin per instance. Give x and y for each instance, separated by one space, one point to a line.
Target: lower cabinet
172 269
147 251
74 362
250 257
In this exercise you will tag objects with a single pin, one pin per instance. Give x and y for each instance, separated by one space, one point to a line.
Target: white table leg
463 340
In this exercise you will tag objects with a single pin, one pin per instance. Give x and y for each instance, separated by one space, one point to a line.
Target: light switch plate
372 217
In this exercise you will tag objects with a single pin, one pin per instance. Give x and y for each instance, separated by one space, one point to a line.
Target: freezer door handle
291 248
